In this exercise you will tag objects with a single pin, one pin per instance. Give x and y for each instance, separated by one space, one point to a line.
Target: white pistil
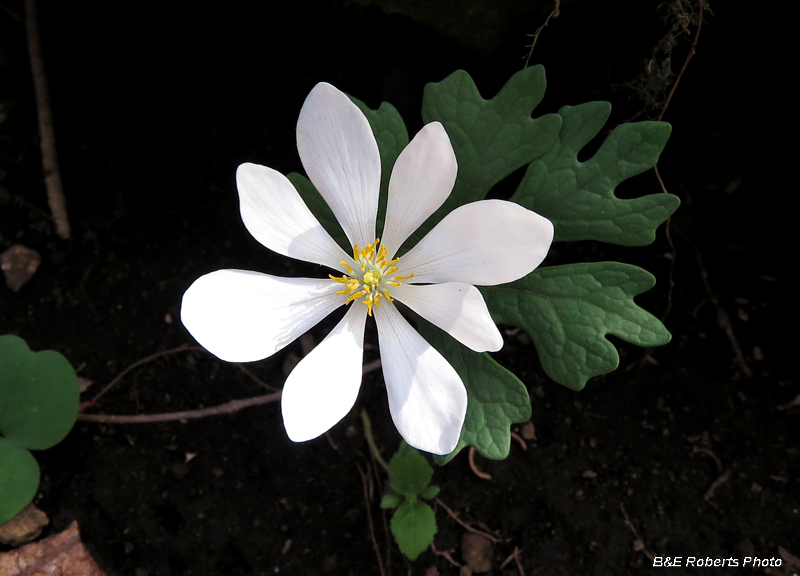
377 278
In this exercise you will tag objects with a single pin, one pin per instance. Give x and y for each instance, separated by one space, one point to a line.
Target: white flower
243 316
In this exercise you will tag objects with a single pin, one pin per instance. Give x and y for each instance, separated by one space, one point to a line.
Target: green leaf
578 198
391 500
39 395
495 397
568 310
392 136
19 479
491 138
414 526
409 473
430 492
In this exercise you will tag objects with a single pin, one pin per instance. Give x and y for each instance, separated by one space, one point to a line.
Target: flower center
373 278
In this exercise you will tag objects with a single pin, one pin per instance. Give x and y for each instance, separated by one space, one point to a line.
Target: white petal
427 398
422 179
456 308
323 387
341 158
483 243
277 217
242 316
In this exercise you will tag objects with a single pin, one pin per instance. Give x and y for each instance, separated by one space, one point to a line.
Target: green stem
371 440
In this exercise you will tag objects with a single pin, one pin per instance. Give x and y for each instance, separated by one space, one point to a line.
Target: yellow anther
376 276
354 296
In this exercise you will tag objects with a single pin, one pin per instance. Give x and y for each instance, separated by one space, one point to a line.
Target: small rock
19 265
528 431
63 554
476 551
24 527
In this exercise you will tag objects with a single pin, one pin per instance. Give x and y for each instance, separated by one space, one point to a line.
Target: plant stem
371 440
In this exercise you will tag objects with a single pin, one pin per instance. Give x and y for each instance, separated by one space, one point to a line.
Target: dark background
154 107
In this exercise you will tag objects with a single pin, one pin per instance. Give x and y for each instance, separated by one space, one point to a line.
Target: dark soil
154 108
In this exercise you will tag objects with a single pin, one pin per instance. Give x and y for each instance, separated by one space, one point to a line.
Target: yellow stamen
375 277
401 278
354 297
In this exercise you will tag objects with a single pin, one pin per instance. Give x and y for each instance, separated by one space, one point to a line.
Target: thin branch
668 233
475 470
145 360
52 175
455 517
689 56
227 408
369 519
553 14
723 319
255 378
373 448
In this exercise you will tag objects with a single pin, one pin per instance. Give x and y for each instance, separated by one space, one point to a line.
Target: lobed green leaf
578 197
491 138
495 397
568 311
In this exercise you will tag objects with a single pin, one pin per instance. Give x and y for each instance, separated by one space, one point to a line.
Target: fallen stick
52 175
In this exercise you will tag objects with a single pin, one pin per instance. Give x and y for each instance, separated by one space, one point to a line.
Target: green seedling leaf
568 310
495 397
39 395
409 473
392 136
391 500
491 138
578 198
430 493
414 526
19 479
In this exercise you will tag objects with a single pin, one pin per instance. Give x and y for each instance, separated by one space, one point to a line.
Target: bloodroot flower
243 316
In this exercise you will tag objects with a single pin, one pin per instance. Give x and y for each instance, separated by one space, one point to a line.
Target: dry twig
364 479
227 408
716 484
145 360
723 319
638 544
555 13
455 517
477 471
52 175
